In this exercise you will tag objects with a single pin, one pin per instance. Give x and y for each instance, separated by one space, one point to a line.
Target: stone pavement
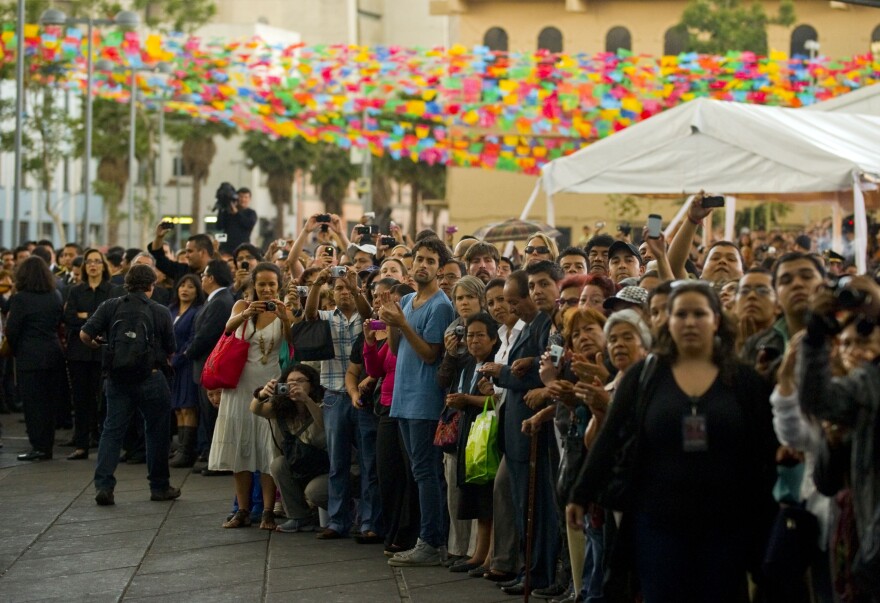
56 544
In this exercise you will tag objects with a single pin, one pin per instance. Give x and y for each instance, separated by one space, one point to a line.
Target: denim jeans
345 426
594 572
153 399
425 459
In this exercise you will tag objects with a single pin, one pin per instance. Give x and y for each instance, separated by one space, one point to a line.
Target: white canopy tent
730 148
865 101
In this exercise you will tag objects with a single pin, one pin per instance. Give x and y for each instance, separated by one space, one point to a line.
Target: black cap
623 245
833 256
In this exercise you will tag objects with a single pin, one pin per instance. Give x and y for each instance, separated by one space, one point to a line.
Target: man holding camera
234 216
345 423
852 402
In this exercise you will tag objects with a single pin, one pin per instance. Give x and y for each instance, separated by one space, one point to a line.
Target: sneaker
169 493
422 555
306 524
104 498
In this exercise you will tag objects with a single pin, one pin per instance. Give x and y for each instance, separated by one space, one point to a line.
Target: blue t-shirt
416 393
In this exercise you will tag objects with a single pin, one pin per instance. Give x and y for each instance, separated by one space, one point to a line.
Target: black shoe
35 455
169 493
557 590
105 498
515 590
509 583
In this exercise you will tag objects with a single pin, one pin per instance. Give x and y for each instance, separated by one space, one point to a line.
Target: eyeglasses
297 381
570 302
93 262
448 277
542 249
761 290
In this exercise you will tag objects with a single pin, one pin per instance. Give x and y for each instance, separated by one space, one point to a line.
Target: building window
675 41
496 39
179 168
550 39
618 38
875 35
799 38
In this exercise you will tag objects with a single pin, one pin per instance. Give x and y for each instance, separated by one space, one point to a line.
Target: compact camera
338 271
556 354
271 307
459 331
282 389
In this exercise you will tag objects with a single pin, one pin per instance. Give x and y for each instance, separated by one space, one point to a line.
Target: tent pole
729 218
836 226
532 198
860 220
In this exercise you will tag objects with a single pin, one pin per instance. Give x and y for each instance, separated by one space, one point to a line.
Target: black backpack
130 341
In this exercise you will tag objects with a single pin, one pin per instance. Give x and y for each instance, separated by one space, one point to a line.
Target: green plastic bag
481 456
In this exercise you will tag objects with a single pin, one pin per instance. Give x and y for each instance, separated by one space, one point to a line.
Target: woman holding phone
243 443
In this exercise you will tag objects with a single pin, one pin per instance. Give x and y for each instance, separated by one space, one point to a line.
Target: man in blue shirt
416 328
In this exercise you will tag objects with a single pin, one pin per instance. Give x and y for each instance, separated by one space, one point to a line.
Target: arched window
617 38
675 41
799 38
875 35
550 39
496 39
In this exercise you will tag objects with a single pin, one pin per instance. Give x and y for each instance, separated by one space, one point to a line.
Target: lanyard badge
693 430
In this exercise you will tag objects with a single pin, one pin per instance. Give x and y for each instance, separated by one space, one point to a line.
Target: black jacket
101 321
32 330
171 269
82 298
237 226
209 326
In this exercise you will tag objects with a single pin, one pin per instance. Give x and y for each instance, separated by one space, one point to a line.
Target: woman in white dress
242 441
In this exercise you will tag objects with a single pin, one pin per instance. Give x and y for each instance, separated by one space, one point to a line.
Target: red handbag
226 362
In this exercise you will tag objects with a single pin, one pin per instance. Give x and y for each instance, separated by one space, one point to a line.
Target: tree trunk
110 184
382 192
280 185
414 202
197 154
332 201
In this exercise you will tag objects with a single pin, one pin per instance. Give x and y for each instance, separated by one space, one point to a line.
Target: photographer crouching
852 402
234 216
292 404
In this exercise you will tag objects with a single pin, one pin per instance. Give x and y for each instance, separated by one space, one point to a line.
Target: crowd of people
671 417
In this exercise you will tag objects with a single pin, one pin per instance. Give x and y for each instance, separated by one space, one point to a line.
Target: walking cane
530 519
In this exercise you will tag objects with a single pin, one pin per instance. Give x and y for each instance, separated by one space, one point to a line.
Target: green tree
279 159
425 181
763 216
623 208
332 172
719 26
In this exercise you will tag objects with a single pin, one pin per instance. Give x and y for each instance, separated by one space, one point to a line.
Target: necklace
264 353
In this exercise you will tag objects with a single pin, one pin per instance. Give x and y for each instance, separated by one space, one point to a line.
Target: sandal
267 521
240 519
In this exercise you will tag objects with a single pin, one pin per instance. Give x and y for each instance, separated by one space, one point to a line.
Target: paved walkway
56 544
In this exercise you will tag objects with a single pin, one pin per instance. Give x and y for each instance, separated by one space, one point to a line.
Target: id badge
693 433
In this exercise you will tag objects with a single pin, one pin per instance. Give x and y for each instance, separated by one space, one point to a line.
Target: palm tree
279 159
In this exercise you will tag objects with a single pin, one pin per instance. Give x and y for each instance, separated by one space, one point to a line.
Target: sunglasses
542 249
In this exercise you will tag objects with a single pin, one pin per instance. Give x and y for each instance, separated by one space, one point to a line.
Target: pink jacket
380 362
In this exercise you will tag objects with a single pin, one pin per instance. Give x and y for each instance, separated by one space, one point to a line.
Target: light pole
19 115
124 18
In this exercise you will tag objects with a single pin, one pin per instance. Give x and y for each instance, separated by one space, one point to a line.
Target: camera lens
270 306
850 298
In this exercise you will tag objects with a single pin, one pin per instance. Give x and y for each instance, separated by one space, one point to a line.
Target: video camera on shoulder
225 196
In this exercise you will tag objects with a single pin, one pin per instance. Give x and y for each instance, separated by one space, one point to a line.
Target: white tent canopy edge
722 146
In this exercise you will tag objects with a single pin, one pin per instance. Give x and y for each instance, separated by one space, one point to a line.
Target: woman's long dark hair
33 275
723 351
285 409
200 293
264 267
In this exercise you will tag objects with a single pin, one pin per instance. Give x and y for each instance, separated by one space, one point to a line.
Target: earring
716 342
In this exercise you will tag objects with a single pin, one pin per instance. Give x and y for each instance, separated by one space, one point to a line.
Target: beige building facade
476 196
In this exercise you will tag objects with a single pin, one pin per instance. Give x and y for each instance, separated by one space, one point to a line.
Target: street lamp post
19 115
124 18
132 164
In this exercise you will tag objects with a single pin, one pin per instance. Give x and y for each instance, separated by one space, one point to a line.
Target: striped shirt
344 331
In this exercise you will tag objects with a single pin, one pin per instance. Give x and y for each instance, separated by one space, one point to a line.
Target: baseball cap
366 271
366 248
623 245
631 296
